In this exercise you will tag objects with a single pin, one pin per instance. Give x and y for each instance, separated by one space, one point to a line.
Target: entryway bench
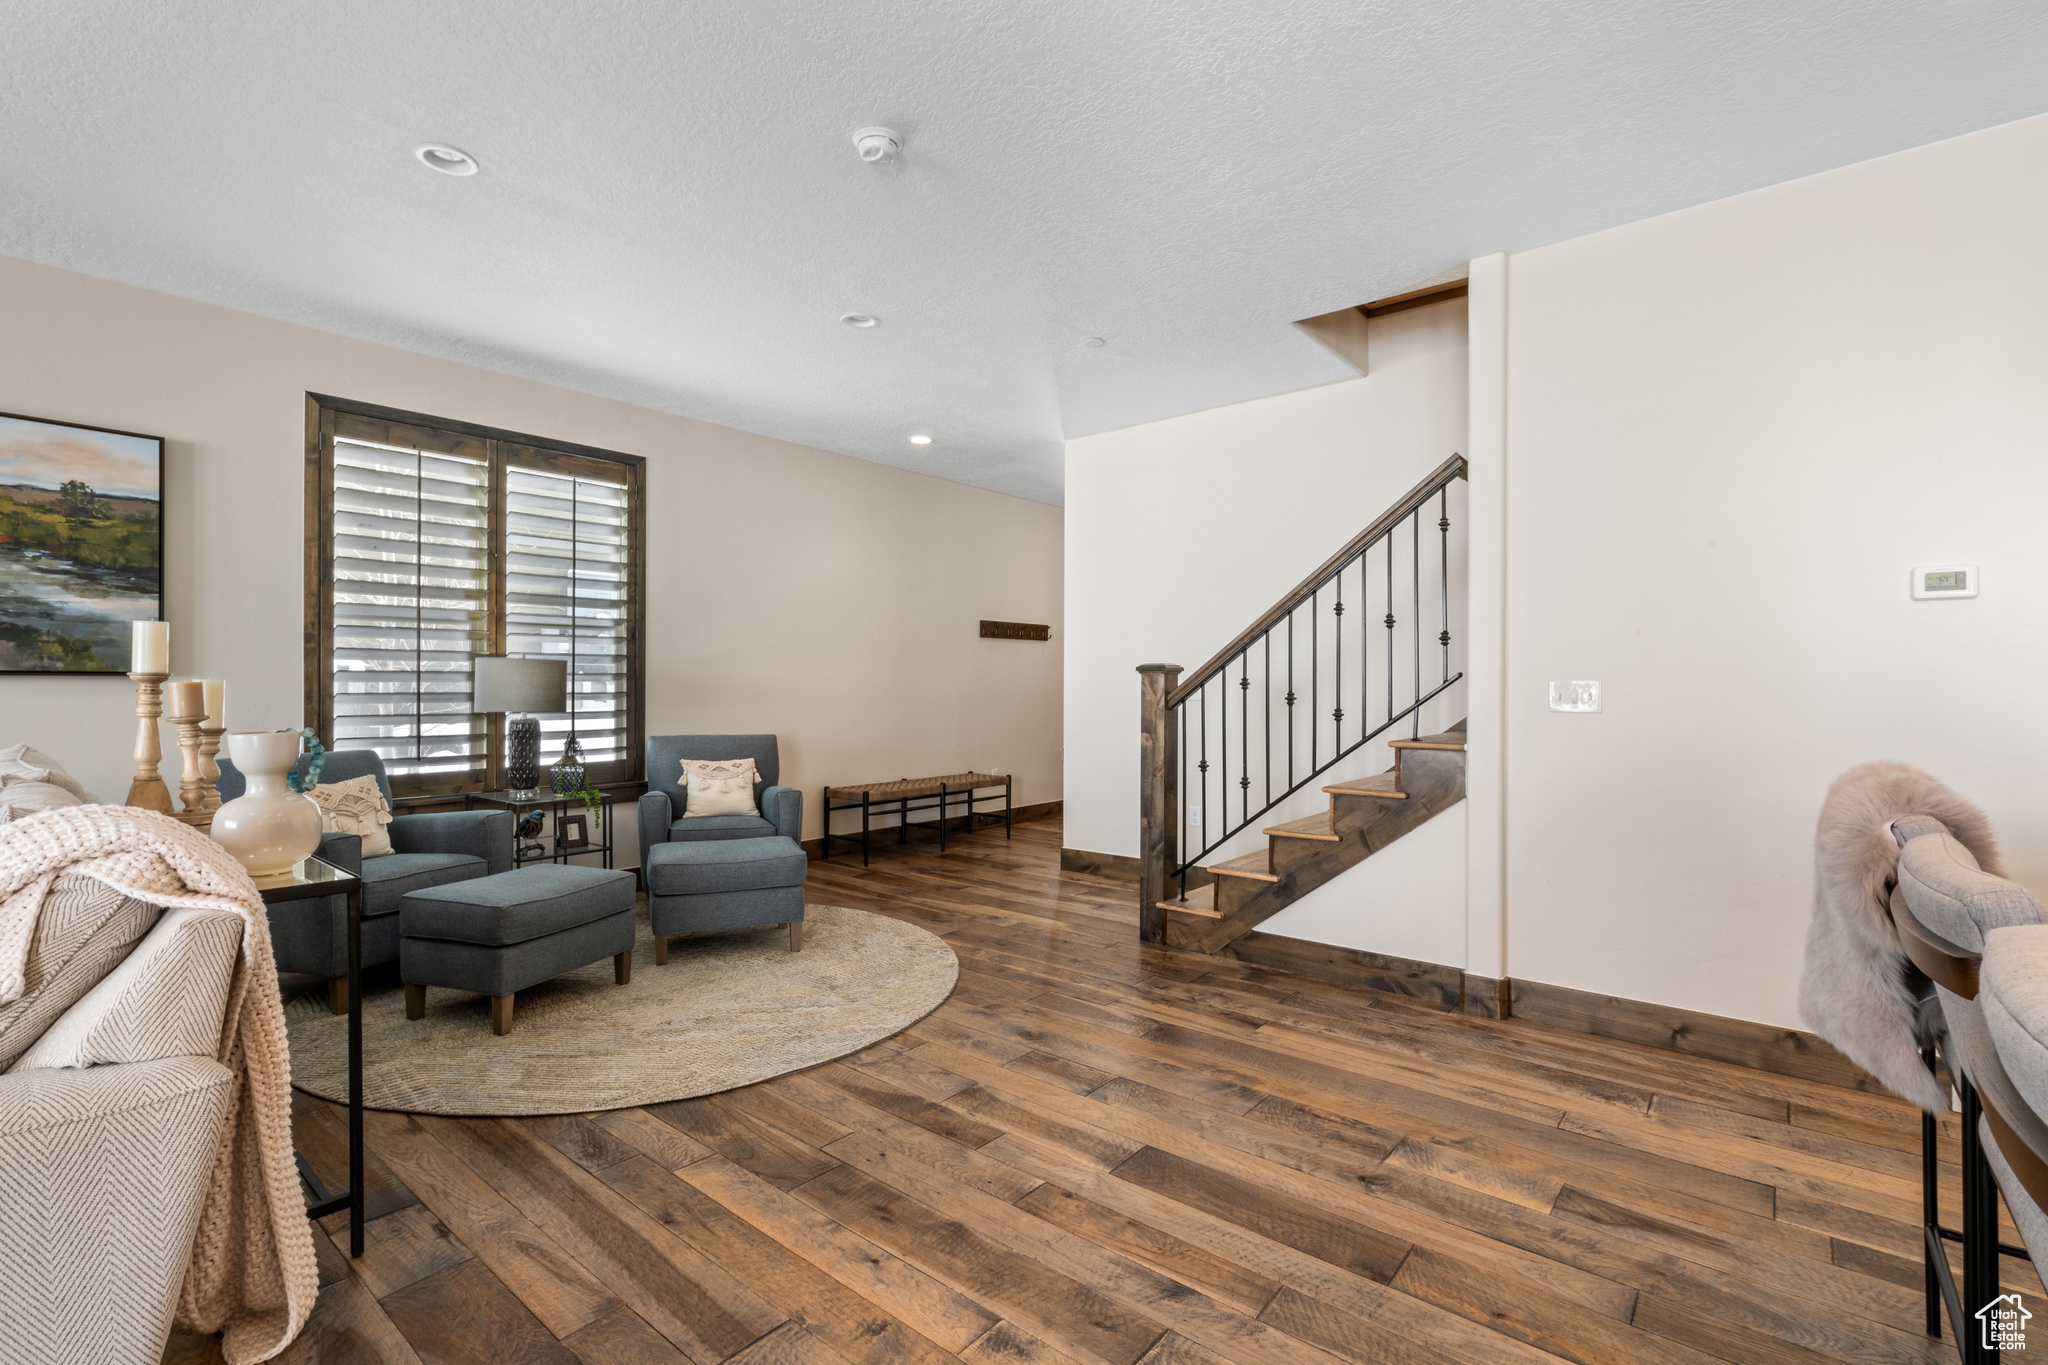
937 793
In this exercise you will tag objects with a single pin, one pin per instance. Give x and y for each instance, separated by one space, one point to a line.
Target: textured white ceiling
670 211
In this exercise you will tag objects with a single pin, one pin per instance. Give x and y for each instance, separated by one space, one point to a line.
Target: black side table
521 802
317 880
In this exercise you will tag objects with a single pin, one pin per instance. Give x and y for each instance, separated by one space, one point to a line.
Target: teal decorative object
317 753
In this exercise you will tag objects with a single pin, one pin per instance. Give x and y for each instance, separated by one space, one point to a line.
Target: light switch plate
1575 696
1944 580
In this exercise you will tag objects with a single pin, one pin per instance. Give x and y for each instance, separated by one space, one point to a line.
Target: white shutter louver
411 547
567 560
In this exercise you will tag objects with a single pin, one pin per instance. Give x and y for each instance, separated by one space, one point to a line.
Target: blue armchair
427 850
664 813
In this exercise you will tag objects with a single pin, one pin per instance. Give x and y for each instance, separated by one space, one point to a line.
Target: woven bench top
904 787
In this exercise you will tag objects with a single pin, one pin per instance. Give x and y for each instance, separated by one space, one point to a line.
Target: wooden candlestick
148 790
192 781
209 745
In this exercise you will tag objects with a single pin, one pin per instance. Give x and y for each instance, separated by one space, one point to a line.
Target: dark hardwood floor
1097 1151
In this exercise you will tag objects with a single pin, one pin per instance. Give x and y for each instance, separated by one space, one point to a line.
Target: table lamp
519 687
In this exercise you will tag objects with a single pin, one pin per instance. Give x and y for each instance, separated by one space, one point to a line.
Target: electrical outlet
1575 696
1194 815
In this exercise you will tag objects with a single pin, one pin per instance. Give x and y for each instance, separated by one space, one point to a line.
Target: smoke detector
877 145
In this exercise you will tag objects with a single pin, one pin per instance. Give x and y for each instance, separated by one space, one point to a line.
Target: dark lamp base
522 753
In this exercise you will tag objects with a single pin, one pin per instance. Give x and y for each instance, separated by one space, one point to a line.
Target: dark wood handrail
1453 468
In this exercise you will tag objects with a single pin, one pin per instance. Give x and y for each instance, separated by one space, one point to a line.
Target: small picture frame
572 831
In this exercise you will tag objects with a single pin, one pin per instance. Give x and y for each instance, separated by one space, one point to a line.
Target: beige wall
1731 432
829 600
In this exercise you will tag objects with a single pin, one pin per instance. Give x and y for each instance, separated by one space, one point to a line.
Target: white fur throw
252 1275
1854 990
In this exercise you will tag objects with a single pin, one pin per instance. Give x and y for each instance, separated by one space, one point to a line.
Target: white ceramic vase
269 828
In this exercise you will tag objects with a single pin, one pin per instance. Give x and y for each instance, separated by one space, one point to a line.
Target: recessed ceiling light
437 156
920 440
860 319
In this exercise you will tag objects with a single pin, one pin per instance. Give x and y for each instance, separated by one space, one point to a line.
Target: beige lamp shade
521 685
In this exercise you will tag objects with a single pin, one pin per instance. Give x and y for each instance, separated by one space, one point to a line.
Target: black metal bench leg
1930 1204
1980 1231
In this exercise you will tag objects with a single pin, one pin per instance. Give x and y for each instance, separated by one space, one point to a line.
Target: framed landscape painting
81 544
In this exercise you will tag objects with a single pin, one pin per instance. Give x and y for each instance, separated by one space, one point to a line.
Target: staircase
1363 817
1215 763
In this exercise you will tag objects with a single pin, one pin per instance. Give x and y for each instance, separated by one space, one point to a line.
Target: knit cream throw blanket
252 1275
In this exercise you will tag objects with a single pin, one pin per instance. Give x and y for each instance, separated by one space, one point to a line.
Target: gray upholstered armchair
427 850
664 813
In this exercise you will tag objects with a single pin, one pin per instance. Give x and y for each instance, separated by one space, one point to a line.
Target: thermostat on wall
1945 580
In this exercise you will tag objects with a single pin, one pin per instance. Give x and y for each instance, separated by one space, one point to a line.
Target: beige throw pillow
20 763
356 806
719 786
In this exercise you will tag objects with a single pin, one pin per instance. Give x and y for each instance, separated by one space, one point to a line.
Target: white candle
151 647
216 701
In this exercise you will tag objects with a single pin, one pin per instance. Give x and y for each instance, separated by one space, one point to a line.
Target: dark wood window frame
329 417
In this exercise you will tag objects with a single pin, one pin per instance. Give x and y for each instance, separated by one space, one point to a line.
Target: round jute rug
729 1009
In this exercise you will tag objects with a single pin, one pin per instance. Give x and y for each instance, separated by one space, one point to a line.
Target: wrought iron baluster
1443 526
1203 768
1415 615
1244 735
1290 701
1337 681
1315 677
1180 850
1266 739
1390 625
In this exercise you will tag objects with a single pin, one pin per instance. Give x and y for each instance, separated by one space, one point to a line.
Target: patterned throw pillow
719 786
356 806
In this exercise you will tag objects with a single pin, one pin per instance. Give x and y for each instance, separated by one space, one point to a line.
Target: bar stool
2009 1037
1943 905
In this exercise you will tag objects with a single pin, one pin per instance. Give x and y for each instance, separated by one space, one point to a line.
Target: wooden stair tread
1201 901
1450 740
1379 784
1307 827
1257 865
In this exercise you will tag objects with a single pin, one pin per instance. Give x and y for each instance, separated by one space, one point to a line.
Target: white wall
1731 432
1181 532
830 600
1407 900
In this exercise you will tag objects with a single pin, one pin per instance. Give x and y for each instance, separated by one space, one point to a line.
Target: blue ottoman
499 935
694 886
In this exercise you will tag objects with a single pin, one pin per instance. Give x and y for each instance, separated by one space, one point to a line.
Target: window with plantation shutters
568 551
411 565
433 544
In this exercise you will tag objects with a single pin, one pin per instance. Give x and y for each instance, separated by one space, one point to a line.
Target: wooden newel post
1158 795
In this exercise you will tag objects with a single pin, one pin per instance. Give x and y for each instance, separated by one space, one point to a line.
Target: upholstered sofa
664 808
111 1109
428 850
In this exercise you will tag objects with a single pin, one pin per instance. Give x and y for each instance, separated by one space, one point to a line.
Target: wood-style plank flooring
1102 1152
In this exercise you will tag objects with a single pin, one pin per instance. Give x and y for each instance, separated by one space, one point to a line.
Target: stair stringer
1432 780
